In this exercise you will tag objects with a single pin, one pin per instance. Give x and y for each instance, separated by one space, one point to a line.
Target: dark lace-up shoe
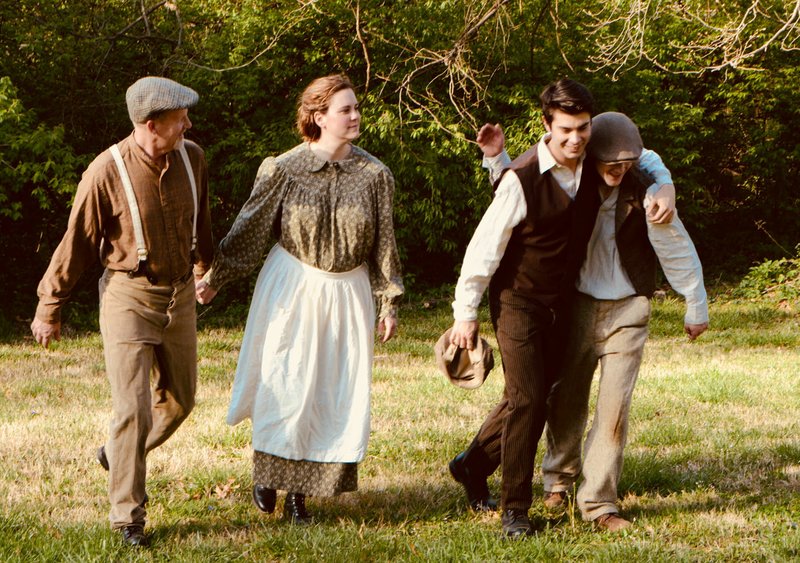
294 509
476 488
133 534
101 457
516 524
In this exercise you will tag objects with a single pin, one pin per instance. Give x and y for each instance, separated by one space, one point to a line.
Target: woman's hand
387 328
203 292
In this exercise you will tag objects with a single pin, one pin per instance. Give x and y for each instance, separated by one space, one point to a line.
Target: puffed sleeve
245 244
384 267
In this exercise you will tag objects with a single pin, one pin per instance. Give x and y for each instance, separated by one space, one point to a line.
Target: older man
142 207
608 323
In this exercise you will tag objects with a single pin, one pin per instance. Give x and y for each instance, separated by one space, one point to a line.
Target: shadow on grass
673 484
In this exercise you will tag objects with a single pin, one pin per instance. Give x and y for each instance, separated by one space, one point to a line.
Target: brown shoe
612 522
133 535
553 500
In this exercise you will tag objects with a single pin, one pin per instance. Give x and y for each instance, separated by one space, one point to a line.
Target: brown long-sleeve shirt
100 223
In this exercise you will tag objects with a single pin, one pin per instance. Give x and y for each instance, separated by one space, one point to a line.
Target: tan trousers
147 331
613 333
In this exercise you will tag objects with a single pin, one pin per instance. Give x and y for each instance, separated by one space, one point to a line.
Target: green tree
37 174
712 86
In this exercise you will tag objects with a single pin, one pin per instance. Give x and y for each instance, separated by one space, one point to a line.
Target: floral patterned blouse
334 216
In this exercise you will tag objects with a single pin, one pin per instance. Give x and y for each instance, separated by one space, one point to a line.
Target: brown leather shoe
612 522
553 500
133 534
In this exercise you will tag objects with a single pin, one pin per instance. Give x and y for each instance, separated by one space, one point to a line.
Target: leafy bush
778 279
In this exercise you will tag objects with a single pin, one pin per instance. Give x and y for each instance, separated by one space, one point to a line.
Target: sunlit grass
712 469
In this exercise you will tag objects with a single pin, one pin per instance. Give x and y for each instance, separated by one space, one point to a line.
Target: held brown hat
464 368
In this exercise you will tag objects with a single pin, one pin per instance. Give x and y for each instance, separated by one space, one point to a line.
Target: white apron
305 366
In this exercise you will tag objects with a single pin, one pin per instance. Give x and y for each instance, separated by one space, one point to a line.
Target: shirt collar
146 160
353 163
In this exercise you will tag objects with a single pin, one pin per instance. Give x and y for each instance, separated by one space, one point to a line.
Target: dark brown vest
546 249
633 243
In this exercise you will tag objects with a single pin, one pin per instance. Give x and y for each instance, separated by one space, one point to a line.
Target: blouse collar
353 163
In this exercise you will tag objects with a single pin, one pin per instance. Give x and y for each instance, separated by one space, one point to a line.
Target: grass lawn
712 467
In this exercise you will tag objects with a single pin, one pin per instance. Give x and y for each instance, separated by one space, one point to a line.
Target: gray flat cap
615 138
155 94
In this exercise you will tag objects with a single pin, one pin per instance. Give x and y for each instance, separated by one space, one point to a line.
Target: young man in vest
608 323
527 250
521 250
142 207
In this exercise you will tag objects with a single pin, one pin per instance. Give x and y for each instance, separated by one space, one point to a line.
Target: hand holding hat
464 368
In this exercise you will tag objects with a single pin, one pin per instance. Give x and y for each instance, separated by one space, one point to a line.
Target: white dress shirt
507 210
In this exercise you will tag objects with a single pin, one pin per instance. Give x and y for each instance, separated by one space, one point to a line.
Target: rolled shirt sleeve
651 162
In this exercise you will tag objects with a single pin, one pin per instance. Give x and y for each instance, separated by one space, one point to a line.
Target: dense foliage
428 74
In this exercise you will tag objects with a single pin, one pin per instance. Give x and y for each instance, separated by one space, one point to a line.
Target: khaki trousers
614 333
147 331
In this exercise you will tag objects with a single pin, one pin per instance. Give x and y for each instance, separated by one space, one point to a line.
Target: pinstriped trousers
528 339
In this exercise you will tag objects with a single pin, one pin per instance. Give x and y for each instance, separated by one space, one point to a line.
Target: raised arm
491 141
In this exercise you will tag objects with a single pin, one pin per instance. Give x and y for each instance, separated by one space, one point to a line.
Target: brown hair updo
316 97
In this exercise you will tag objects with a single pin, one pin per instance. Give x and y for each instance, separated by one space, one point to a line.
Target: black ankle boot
294 509
264 498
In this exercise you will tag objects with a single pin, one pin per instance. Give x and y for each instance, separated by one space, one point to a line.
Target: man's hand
204 292
695 330
662 207
45 333
387 327
464 334
491 139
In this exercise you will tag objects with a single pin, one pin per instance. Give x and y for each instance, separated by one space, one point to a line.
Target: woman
305 364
